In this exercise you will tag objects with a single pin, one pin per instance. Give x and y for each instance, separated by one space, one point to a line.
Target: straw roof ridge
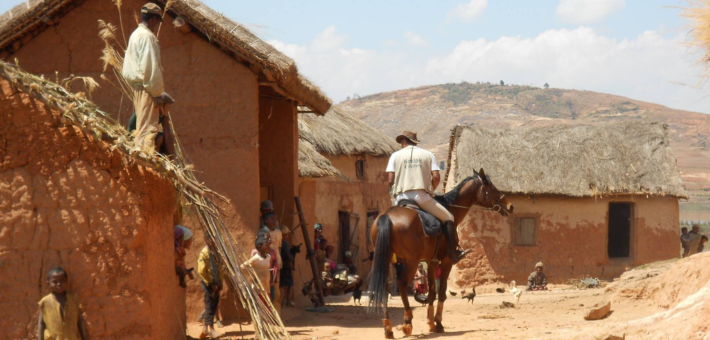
571 160
339 133
28 19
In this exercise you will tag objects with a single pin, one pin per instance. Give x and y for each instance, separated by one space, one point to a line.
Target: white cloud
415 40
648 67
328 40
468 11
582 12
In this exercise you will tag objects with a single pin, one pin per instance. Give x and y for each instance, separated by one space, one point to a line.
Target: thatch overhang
312 164
25 21
569 160
338 133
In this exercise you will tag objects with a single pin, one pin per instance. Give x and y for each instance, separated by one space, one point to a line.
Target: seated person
349 262
537 279
329 250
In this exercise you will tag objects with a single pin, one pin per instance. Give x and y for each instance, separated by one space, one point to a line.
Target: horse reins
496 206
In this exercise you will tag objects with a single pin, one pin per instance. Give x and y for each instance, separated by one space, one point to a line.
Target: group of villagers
692 242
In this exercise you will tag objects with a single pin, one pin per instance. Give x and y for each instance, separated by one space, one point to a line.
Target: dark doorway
619 230
344 231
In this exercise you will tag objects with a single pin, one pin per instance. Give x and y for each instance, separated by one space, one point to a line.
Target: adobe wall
278 156
67 200
571 239
216 115
323 198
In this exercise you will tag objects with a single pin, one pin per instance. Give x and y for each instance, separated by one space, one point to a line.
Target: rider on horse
413 175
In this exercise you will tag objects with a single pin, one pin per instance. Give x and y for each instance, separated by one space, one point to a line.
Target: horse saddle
431 225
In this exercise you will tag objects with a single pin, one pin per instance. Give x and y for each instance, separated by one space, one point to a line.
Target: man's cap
267 205
409 135
539 264
152 8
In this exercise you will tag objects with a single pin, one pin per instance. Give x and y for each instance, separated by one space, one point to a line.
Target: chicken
516 292
452 293
463 292
470 296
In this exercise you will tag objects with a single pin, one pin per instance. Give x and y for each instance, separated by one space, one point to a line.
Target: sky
632 48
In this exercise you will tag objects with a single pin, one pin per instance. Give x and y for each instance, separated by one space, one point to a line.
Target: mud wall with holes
570 238
216 114
323 198
67 200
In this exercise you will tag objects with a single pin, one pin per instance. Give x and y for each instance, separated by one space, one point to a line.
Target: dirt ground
638 310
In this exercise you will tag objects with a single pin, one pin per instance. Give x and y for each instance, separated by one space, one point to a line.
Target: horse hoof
432 329
439 328
407 329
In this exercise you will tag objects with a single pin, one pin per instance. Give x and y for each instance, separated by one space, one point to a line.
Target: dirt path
556 314
665 300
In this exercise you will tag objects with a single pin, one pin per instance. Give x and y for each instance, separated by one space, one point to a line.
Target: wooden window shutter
525 231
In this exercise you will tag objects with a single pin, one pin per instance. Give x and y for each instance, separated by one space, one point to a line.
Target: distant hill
433 110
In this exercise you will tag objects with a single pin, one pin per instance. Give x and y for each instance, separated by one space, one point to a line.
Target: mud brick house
589 200
237 97
342 182
70 199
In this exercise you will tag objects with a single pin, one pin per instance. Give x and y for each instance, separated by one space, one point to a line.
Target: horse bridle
496 206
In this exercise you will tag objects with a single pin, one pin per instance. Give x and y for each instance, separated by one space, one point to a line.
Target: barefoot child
60 315
261 261
208 269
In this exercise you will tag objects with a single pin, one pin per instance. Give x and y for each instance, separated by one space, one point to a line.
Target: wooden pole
311 254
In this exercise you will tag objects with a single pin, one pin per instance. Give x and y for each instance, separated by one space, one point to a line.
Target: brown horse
399 231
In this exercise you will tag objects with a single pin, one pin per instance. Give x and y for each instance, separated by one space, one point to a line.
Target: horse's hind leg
387 323
410 268
445 270
431 279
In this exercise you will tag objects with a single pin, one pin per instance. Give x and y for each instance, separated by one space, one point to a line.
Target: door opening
344 231
620 216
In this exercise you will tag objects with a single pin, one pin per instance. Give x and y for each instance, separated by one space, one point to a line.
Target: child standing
60 315
208 269
261 261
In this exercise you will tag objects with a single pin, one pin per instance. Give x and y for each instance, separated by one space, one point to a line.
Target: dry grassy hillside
433 110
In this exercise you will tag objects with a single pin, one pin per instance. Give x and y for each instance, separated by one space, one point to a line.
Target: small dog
357 294
470 296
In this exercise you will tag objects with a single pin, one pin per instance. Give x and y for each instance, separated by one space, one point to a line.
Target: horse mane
450 197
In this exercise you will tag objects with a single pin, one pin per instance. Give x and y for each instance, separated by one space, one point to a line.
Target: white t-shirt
419 196
390 163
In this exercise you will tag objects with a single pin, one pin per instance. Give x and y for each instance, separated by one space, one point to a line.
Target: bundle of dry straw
699 14
76 110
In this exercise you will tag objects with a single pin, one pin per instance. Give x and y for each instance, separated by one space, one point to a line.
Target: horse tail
381 266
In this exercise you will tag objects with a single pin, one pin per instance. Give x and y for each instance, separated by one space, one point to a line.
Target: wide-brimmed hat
152 8
409 135
539 264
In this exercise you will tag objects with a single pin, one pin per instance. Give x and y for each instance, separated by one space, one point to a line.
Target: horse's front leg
445 271
431 280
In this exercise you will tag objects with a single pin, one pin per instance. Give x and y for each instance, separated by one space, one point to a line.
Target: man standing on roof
143 71
413 174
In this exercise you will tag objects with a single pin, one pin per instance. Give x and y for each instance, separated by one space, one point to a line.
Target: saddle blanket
431 225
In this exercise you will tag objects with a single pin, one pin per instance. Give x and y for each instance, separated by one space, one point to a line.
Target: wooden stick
309 249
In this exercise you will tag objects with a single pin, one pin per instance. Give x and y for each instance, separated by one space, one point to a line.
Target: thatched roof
338 133
570 160
312 164
28 19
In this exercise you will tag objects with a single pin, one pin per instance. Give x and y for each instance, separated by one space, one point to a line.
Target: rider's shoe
457 255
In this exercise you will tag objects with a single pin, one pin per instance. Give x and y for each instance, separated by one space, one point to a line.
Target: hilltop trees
546 85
